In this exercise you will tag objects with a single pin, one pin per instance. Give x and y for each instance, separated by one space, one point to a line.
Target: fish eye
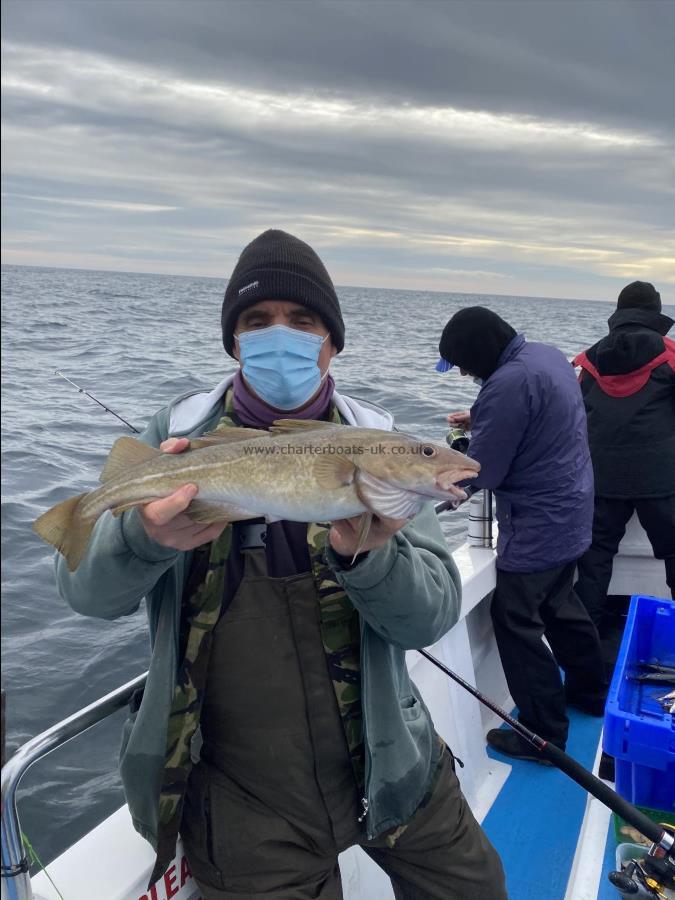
428 451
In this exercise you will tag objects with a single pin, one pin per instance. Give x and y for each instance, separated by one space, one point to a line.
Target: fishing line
36 859
91 397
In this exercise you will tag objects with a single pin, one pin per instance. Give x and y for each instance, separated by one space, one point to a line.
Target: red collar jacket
628 384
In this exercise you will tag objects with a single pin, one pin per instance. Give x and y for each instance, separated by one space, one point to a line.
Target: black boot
591 704
511 744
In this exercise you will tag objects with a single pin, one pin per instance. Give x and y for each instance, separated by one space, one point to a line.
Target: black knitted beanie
278 266
474 339
639 295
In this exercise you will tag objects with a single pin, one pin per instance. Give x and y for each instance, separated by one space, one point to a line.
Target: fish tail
64 527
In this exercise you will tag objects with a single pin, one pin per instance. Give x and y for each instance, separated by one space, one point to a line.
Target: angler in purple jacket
528 431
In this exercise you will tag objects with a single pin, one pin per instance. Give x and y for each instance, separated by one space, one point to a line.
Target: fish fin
385 499
198 510
362 537
226 436
63 528
123 507
285 426
126 452
205 513
334 472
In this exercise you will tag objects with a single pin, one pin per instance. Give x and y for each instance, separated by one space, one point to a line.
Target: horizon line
344 286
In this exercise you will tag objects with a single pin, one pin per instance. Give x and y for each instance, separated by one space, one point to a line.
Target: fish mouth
442 487
449 478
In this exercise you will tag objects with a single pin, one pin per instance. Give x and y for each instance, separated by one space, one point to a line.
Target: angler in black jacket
628 384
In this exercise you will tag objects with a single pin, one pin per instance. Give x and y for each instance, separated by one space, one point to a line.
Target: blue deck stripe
535 821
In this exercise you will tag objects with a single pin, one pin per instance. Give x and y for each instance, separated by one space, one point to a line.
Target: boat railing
15 864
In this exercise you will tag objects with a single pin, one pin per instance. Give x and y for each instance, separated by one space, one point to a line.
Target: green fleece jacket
407 594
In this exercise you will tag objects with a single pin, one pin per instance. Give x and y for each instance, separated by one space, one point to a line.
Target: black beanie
639 295
474 339
278 266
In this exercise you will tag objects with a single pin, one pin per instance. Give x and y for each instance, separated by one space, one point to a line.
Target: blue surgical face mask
280 364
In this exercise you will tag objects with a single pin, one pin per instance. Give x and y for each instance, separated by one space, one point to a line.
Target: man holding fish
284 538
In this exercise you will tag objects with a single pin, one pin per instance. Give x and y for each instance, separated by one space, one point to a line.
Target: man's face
291 314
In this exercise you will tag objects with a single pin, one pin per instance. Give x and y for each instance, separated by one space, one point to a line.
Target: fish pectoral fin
226 436
362 536
126 452
385 499
333 472
284 426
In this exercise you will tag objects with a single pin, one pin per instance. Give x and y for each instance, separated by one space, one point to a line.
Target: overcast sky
519 147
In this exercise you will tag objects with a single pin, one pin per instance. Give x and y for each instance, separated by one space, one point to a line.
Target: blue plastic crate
638 733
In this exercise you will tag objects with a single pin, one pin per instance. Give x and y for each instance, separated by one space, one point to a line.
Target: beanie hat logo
248 287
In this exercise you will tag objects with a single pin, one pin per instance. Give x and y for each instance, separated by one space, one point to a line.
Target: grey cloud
595 61
418 161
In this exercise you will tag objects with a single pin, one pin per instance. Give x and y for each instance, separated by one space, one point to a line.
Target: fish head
415 466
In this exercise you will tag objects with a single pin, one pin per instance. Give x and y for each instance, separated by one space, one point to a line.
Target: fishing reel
458 439
651 876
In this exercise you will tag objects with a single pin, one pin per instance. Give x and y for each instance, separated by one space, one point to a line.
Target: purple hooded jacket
528 432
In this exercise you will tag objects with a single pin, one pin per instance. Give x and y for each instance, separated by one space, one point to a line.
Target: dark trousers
525 608
657 517
241 849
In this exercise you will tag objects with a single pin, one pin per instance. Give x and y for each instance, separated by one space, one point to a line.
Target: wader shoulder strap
341 635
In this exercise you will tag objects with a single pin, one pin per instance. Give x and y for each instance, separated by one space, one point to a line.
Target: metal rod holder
480 519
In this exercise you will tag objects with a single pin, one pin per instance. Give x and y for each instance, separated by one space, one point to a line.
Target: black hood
635 338
474 339
643 318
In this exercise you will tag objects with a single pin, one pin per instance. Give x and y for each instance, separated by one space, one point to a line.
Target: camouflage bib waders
274 742
205 602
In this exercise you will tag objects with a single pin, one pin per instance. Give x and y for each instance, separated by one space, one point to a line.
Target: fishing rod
91 397
662 840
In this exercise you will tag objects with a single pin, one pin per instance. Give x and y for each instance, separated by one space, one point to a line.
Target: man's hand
343 536
460 419
165 520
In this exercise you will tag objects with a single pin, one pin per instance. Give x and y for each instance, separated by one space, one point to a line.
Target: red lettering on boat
170 885
185 872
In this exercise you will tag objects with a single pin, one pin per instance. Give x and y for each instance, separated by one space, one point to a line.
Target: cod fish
300 470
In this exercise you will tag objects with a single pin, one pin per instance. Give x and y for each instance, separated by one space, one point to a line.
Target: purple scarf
251 410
